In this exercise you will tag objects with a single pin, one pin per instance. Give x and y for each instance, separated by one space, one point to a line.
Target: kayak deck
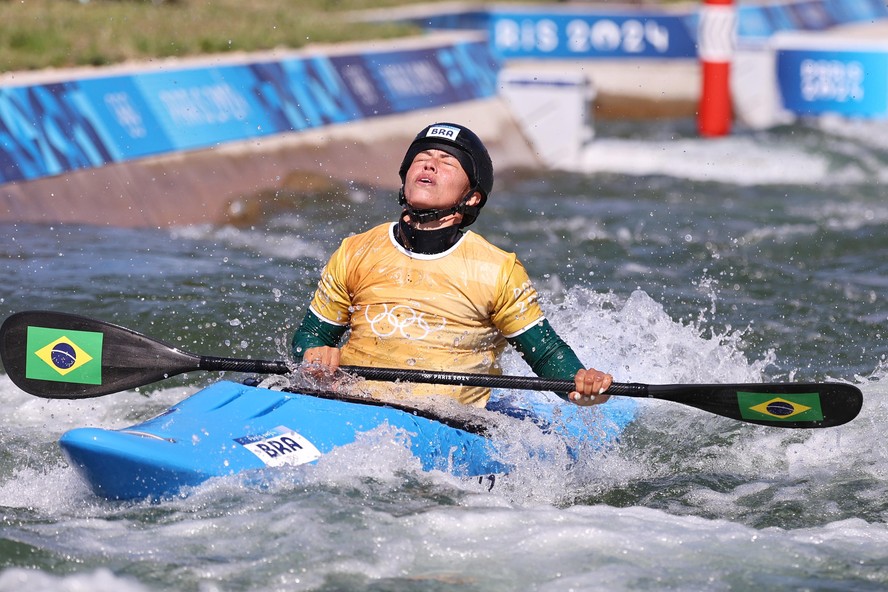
228 428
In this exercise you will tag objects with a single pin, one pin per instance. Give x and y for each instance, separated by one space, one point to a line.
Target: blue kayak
229 428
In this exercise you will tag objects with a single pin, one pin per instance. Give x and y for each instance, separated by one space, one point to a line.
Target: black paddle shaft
239 365
531 383
40 350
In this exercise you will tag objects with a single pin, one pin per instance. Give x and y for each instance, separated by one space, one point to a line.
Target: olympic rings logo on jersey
402 319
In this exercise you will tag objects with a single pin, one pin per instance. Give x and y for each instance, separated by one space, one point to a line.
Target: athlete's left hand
590 386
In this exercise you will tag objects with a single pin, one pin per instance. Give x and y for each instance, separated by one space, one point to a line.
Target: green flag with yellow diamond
775 407
63 355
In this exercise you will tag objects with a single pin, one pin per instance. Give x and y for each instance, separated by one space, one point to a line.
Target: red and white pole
716 37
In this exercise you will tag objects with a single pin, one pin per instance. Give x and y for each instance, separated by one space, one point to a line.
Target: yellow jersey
450 311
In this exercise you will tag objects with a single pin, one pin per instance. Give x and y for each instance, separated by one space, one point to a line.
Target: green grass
38 34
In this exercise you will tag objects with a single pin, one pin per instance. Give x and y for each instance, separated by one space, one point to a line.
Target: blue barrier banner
782 18
812 15
464 20
533 33
806 15
753 21
572 35
814 82
298 94
849 11
404 81
203 107
129 127
49 129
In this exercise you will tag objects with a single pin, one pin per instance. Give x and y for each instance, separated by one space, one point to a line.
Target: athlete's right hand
322 356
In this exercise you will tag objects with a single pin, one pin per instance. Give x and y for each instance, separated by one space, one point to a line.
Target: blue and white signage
765 19
49 129
280 446
845 82
570 35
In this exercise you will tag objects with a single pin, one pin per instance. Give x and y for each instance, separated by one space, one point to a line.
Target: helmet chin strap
422 216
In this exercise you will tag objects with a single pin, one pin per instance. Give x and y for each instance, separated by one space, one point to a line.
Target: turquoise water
758 257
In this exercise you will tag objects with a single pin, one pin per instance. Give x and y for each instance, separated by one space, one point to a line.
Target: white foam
736 160
636 339
763 158
40 471
288 245
101 579
368 512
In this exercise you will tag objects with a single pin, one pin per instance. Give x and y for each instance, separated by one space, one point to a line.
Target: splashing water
671 259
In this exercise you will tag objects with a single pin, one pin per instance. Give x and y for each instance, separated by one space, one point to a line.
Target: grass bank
36 34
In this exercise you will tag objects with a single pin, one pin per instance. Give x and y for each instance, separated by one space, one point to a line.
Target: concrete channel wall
192 141
189 141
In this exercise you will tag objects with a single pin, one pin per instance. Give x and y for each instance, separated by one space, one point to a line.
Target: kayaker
425 293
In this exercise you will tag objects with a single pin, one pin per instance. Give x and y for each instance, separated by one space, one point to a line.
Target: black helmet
462 143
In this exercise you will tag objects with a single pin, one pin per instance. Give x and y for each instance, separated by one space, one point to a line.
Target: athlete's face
436 180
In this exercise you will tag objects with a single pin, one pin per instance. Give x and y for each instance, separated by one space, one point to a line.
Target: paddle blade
782 405
63 356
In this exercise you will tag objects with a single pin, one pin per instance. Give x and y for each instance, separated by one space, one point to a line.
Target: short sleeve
331 301
516 307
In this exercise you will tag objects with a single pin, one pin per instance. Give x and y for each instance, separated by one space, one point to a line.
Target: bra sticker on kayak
280 446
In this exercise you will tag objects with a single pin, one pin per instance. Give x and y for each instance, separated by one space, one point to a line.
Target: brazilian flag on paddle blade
774 407
63 355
